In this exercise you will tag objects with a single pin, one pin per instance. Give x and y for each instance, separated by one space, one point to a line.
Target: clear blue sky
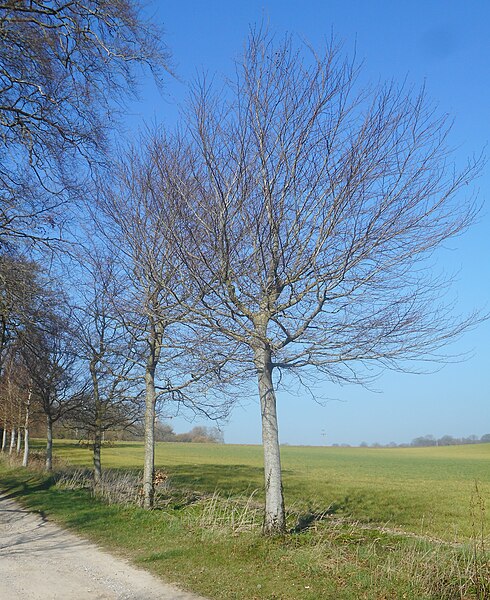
442 43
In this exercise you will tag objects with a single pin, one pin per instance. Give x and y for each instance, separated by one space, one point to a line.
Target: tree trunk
274 518
25 458
98 424
4 438
49 445
149 466
19 423
12 440
155 338
19 441
97 462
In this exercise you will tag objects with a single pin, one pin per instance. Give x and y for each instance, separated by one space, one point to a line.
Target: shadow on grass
38 492
165 555
206 478
228 479
308 519
17 487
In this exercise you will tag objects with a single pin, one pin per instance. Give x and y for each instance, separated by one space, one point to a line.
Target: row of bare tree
284 232
44 358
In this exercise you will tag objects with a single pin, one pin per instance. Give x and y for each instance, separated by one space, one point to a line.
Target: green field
422 490
352 516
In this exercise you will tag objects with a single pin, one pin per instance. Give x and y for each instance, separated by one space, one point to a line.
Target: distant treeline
163 433
200 434
430 440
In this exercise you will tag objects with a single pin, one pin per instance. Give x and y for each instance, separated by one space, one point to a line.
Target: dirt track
39 560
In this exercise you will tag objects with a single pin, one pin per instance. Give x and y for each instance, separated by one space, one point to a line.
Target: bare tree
112 400
311 221
57 379
65 68
10 400
138 217
15 401
21 295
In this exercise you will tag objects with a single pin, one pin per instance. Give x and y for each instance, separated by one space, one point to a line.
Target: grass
206 535
422 490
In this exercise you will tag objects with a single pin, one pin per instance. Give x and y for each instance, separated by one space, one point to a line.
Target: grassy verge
212 544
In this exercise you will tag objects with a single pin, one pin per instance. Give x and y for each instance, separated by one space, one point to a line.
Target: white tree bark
4 438
154 347
19 436
12 440
274 517
149 463
96 458
98 426
25 458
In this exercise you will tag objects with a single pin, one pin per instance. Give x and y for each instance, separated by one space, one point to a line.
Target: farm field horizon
426 491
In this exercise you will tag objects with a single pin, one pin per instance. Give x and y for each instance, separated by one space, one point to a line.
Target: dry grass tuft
233 515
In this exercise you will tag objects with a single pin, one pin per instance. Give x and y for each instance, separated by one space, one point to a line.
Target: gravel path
39 560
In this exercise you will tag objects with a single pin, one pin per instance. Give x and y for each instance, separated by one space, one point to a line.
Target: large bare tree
311 222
